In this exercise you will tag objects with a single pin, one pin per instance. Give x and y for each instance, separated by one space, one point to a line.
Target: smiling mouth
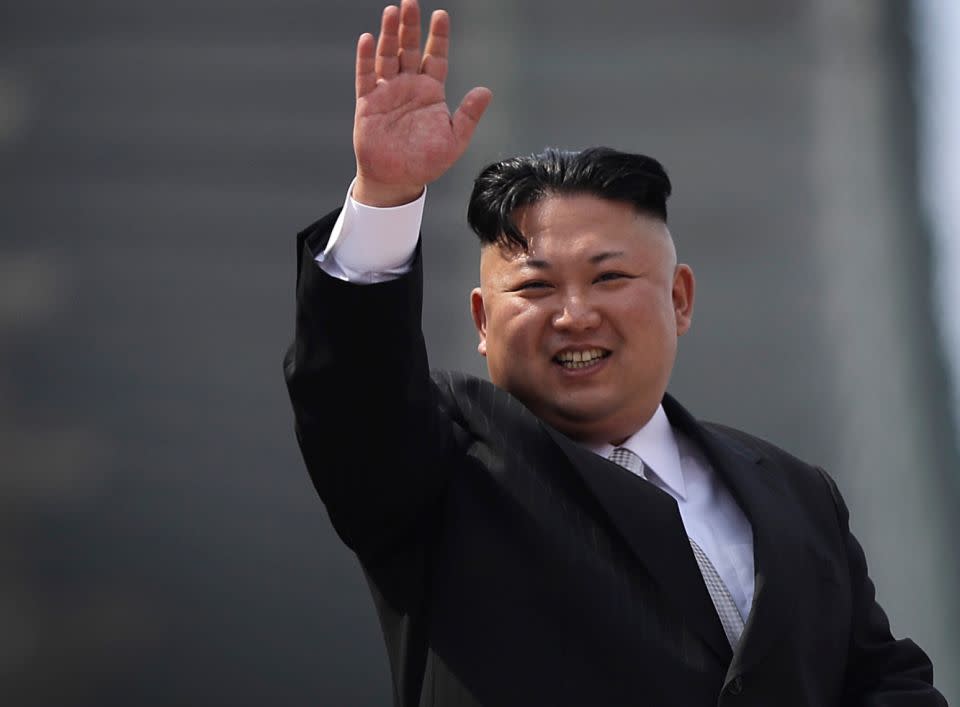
580 359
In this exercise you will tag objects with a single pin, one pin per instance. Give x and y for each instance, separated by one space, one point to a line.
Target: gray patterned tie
722 601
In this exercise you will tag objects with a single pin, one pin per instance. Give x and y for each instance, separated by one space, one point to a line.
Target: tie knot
628 460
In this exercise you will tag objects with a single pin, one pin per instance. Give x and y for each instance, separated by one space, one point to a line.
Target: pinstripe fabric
719 594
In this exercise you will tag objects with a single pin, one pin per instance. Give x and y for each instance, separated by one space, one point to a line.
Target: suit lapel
649 520
777 547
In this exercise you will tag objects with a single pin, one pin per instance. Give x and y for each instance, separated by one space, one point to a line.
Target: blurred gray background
161 543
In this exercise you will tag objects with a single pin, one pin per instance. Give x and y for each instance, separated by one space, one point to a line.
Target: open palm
404 134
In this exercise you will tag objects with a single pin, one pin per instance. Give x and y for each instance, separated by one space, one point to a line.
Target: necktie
726 608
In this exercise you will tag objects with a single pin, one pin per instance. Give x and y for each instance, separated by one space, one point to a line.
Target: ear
479 318
684 287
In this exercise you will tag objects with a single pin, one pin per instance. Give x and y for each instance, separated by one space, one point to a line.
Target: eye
611 276
532 285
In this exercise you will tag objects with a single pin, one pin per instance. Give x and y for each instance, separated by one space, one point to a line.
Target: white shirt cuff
370 244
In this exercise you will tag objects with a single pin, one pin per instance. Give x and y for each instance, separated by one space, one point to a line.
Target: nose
577 314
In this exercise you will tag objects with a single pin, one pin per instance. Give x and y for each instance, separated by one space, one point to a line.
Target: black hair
504 186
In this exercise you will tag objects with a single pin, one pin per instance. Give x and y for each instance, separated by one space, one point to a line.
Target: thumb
468 114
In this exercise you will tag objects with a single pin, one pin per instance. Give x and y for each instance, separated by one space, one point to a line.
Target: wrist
372 193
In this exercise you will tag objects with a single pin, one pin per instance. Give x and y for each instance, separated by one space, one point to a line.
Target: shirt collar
656 444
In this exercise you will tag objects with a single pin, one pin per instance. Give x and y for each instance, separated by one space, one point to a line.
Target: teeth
579 359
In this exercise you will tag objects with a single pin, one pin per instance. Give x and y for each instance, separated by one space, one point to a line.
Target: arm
366 420
881 671
366 412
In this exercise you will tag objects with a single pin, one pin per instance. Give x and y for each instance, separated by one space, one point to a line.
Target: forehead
583 226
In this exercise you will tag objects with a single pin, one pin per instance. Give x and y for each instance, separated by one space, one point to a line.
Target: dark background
160 542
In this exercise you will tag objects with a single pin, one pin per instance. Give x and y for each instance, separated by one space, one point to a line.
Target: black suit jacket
510 566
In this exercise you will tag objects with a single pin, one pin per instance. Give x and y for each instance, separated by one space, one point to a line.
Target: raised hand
404 135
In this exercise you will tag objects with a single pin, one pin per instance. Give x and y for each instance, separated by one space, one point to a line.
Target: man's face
583 327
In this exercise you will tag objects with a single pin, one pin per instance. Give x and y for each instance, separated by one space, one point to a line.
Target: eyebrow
538 264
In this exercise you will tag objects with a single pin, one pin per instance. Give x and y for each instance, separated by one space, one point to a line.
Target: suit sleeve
366 411
881 670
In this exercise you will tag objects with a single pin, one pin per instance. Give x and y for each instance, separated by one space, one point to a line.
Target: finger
366 76
388 61
469 113
409 36
438 44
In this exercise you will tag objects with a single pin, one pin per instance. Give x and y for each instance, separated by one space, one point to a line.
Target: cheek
515 332
647 318
518 319
654 303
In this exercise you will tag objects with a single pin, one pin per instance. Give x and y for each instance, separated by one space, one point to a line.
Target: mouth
585 358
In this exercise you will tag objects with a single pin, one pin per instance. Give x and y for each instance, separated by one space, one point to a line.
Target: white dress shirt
710 515
369 245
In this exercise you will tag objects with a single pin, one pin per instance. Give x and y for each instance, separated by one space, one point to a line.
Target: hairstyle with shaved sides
503 187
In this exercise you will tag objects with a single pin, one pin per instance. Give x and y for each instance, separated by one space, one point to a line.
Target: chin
584 408
578 422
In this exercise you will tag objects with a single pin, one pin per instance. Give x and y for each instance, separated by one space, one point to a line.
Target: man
567 534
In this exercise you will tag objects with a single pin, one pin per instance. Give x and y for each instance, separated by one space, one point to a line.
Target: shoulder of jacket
764 449
456 384
478 405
